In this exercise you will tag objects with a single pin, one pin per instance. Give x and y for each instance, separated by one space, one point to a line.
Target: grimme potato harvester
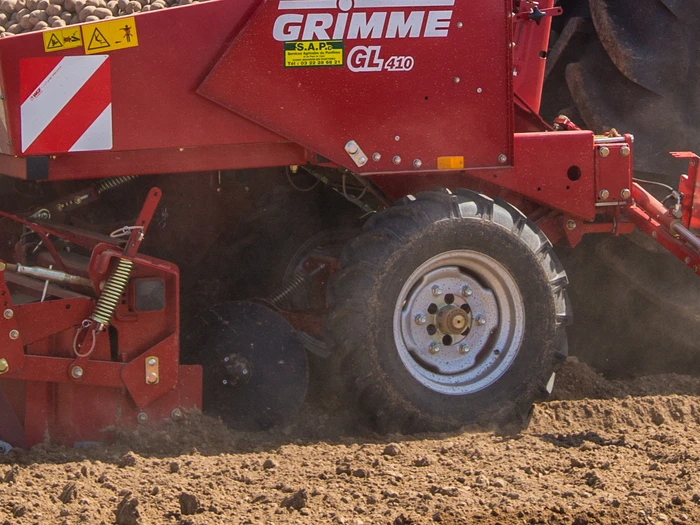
419 118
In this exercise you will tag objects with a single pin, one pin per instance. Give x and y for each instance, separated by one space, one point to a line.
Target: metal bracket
152 370
358 156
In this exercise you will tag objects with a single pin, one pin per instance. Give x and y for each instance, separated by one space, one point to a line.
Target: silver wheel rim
474 301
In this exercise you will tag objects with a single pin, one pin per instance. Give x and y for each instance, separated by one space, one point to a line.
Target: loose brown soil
602 452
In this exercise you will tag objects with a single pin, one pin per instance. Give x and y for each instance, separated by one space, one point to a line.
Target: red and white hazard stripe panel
66 104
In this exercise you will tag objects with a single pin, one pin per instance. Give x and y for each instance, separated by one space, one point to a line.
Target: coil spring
298 280
112 293
113 182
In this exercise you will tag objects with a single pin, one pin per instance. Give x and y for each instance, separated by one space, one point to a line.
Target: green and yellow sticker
314 53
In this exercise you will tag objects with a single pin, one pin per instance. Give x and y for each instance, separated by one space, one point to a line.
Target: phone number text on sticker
314 53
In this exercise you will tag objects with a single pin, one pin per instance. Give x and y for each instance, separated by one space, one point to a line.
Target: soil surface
624 451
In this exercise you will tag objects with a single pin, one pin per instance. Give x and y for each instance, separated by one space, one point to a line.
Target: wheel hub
459 322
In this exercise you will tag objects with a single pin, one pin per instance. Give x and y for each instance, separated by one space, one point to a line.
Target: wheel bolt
480 321
463 349
437 291
466 291
434 348
421 319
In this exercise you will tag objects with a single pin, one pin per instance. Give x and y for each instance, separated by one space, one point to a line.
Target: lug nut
7 314
176 414
437 291
466 291
142 417
480 321
463 349
14 334
434 348
421 319
76 372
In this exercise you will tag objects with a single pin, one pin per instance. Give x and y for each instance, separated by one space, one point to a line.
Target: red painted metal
458 86
613 167
531 42
690 191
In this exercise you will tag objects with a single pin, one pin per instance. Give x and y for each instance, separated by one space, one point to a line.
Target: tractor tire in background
449 310
632 65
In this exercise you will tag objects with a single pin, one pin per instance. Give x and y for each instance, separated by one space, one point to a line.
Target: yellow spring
112 293
114 182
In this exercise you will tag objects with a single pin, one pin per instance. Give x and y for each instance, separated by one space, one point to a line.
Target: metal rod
45 274
687 236
609 140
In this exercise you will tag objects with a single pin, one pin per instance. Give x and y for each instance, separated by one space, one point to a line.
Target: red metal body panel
154 85
456 99
540 173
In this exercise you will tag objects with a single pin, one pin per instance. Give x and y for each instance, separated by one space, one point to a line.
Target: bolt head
152 362
466 291
604 151
437 291
142 417
625 151
502 158
460 25
421 319
396 159
571 224
4 366
76 372
376 156
151 378
244 371
625 193
480 320
434 348
604 194
14 334
3 266
224 382
463 349
362 160
7 314
176 414
417 163
479 90
351 148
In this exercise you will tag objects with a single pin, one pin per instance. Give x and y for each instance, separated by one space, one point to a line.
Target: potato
85 12
42 5
155 6
59 23
57 2
92 18
21 4
74 20
54 10
4 18
38 16
132 7
66 16
102 12
8 6
40 25
78 6
31 4
15 29
25 23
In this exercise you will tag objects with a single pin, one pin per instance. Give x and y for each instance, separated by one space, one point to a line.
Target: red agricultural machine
264 135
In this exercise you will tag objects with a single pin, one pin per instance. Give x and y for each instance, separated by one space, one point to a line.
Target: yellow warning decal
110 35
62 39
314 53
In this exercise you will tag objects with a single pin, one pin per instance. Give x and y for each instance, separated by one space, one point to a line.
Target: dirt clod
189 504
392 449
69 493
174 467
296 501
127 512
128 460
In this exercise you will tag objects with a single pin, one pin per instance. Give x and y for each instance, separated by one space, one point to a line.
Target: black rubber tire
362 297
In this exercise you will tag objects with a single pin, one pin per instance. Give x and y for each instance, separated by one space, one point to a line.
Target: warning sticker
314 53
62 39
110 35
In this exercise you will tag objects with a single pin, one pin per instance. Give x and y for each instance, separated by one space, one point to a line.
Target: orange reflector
450 163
